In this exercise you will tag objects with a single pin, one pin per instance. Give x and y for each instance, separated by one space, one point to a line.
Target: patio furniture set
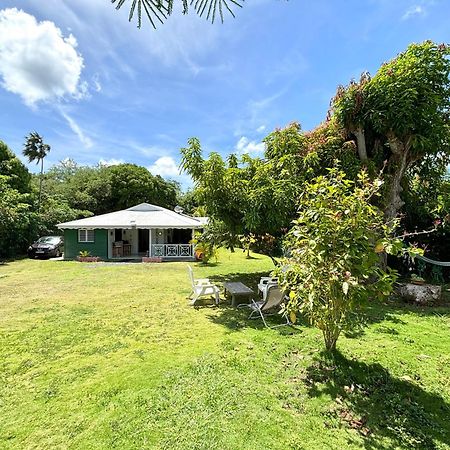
270 296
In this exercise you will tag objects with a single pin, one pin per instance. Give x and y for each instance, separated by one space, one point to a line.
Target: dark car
46 247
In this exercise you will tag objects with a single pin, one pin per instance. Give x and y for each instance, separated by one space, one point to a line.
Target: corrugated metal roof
139 216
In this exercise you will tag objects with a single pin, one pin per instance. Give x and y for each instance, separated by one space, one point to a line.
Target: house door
143 240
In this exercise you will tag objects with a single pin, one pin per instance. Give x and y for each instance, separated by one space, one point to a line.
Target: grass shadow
236 319
378 405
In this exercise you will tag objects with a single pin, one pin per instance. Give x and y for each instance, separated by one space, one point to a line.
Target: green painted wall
97 248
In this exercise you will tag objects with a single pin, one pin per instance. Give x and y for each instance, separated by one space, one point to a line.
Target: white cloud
415 10
96 82
244 145
261 129
165 166
37 61
111 162
84 139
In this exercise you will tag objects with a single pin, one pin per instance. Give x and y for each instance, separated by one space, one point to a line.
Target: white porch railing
172 250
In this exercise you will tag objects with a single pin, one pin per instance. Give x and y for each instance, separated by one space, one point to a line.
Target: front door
143 240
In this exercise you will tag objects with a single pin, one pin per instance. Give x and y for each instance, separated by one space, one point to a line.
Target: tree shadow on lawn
391 311
379 406
236 319
7 261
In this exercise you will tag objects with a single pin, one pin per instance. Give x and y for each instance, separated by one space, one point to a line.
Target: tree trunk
40 183
399 161
361 144
330 337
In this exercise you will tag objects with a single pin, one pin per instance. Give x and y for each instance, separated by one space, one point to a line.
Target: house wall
97 248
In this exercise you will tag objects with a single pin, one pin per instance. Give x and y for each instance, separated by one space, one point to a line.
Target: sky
100 90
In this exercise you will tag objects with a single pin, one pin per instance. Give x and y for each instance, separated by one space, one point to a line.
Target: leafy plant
247 240
417 279
335 247
84 254
204 248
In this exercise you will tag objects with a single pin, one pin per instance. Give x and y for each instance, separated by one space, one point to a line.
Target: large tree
400 116
17 174
249 195
35 149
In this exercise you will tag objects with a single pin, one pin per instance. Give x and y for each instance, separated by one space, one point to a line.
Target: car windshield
48 240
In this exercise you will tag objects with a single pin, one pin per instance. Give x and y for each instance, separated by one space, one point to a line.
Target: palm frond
34 148
159 10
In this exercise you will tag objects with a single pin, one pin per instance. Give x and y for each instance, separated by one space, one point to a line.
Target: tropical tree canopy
400 116
249 195
11 167
35 149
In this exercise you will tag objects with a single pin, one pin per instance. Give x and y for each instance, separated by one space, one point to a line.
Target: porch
135 243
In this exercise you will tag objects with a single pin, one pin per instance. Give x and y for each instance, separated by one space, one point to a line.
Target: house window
86 235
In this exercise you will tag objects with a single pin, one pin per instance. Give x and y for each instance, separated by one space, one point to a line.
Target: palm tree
162 9
36 150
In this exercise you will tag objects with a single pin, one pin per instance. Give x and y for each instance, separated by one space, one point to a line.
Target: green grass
96 356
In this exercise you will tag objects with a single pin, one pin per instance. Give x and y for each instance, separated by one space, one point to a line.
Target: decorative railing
172 250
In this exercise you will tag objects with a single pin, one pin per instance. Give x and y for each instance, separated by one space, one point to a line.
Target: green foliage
75 191
18 222
84 253
410 97
335 245
132 184
18 176
248 195
399 118
205 247
384 124
35 149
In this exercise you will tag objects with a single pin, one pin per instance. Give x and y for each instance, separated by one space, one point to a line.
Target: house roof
143 215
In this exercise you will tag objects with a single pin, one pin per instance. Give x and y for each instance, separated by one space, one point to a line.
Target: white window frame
83 235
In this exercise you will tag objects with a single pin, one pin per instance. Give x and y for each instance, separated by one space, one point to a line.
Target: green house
133 233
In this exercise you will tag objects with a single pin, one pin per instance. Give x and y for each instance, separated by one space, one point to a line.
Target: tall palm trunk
40 183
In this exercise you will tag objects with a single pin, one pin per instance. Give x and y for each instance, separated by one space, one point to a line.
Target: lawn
100 356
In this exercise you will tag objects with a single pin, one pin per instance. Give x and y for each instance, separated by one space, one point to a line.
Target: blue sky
99 89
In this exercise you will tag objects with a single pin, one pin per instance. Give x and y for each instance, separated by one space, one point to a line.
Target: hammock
432 261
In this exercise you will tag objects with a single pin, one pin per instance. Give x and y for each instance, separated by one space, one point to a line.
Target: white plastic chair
265 283
202 287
